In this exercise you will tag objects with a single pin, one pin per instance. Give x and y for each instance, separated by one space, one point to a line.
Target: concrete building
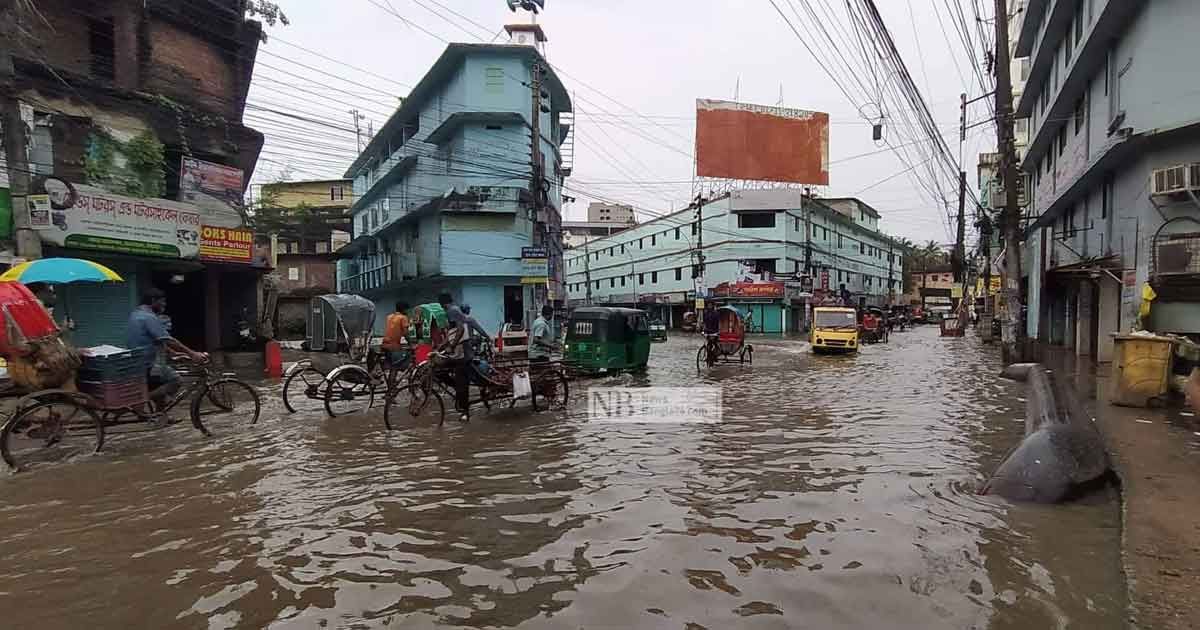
758 244
578 233
600 212
306 222
1113 151
119 101
442 198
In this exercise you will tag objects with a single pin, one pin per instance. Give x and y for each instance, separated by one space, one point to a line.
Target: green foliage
136 168
269 12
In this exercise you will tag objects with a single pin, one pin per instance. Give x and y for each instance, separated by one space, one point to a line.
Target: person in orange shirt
395 336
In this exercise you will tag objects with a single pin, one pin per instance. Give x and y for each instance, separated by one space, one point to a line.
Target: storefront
767 308
207 272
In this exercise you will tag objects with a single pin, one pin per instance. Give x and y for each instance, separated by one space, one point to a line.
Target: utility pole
891 273
587 272
701 289
16 139
960 248
358 118
537 180
1012 332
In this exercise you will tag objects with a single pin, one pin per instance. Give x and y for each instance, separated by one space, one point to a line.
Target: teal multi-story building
769 238
442 201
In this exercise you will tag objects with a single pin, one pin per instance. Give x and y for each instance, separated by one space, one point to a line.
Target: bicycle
60 424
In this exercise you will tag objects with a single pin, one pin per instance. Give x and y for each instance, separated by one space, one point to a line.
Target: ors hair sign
226 244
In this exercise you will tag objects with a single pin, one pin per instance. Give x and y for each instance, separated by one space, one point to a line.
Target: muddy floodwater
837 492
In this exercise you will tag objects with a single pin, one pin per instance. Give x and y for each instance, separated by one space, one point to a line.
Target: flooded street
838 492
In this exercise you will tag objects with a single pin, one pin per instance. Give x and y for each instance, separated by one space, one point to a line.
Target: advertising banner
760 143
535 265
226 244
214 188
749 289
98 220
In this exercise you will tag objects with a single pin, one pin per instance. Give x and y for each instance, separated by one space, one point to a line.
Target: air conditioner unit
999 199
1171 180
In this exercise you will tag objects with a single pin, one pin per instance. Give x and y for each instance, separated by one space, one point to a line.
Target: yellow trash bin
1142 369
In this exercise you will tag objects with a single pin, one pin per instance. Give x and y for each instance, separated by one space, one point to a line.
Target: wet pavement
838 492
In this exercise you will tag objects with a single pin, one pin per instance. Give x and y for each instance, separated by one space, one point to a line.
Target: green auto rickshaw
605 340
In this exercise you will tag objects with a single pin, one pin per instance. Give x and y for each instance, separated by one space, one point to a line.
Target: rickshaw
341 324
689 322
658 331
873 325
603 339
730 340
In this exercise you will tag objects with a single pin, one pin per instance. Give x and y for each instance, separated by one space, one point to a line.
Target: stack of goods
114 377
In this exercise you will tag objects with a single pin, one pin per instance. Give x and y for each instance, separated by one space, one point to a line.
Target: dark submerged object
1062 448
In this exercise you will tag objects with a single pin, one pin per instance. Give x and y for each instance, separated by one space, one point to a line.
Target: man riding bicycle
146 332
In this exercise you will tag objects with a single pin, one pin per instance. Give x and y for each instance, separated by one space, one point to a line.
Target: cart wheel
54 430
426 399
348 392
301 387
550 392
393 402
227 401
750 355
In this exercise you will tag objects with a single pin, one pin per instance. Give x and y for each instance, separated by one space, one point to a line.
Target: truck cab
834 329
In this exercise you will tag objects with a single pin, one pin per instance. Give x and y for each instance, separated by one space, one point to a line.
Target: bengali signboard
99 220
535 265
749 289
226 244
214 188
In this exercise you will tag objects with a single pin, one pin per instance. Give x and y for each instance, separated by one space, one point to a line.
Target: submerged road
837 492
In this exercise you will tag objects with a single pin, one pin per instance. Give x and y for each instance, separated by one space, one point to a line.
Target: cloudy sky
636 69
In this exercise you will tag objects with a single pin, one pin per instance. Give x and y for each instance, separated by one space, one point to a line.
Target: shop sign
535 265
98 220
956 291
214 188
749 289
39 211
226 244
824 279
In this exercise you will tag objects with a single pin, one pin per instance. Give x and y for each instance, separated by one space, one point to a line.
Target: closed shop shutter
100 311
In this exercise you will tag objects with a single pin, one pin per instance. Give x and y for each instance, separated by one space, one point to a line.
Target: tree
268 12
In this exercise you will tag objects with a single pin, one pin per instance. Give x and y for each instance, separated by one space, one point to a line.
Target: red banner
774 144
226 244
749 289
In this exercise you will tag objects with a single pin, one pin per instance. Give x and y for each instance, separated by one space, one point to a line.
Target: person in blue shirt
147 333
541 337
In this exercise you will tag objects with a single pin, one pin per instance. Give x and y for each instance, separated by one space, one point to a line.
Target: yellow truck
834 329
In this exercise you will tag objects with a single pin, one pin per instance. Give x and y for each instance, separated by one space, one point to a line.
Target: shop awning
1091 268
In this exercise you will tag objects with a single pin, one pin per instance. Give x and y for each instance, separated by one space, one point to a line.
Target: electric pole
537 180
358 118
587 272
16 139
1012 332
960 248
701 289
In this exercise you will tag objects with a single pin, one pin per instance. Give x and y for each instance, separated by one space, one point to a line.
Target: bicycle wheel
426 400
50 431
302 389
399 393
701 358
349 391
225 401
550 392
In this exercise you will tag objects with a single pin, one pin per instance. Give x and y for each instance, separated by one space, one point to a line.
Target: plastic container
130 393
110 368
1141 369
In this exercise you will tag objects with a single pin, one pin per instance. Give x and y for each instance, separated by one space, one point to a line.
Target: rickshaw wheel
423 399
53 430
301 385
700 358
342 394
553 390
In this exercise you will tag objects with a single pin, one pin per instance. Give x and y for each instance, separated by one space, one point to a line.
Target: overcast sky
635 69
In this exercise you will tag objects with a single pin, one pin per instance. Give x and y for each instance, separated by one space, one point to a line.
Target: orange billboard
756 142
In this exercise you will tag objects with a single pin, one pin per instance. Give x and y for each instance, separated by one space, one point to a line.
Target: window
653 240
610 251
597 284
493 82
322 247
103 48
693 229
653 277
641 278
1024 68
677 234
1062 139
1080 113
756 220
678 274
385 208
841 242
622 280
641 244
1078 21
622 248
862 248
1068 44
797 224
337 193
363 223
1114 96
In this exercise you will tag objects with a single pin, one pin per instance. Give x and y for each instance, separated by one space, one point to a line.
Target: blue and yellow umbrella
60 271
